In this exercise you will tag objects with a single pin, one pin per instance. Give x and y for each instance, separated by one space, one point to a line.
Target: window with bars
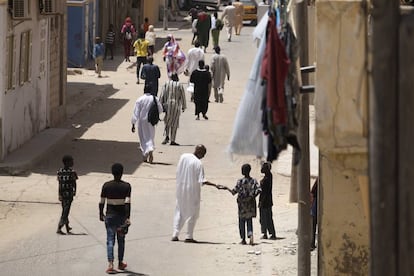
25 57
10 64
48 6
42 63
20 9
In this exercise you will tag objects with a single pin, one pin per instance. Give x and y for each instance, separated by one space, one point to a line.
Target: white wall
3 28
24 109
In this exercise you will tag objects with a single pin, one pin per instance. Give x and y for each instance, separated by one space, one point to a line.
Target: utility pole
165 19
303 173
383 139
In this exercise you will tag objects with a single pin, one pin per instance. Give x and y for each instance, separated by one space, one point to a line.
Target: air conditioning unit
48 7
19 9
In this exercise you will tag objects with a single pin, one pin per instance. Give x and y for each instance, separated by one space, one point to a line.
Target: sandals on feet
122 266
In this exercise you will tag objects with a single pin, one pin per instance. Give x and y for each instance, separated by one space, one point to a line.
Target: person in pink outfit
128 32
173 56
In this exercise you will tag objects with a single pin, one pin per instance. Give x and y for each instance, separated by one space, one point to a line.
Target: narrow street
100 135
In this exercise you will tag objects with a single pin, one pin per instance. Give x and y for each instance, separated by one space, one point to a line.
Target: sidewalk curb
20 161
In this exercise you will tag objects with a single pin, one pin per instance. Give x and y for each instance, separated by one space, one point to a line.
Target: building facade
341 134
83 22
90 18
32 70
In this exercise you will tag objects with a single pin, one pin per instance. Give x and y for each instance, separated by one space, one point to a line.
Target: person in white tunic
229 18
189 178
194 55
146 131
220 69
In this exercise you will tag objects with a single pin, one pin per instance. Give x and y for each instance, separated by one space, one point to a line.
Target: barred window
49 7
42 63
20 9
25 57
10 64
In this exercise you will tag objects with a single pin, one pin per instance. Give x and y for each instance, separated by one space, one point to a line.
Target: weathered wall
341 76
3 32
3 62
152 10
57 74
405 149
25 110
344 221
340 134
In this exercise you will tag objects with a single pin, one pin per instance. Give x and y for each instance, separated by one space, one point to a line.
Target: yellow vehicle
250 11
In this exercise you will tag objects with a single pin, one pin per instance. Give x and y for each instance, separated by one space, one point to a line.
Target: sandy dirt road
100 135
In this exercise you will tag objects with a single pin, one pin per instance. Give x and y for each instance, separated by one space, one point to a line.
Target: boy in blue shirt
98 55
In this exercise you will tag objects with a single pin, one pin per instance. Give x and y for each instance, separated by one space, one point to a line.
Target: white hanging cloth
247 137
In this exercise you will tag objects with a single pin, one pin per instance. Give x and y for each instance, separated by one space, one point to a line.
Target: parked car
215 4
250 11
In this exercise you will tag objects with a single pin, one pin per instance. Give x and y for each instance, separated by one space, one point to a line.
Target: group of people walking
129 34
190 177
203 24
141 40
116 194
172 100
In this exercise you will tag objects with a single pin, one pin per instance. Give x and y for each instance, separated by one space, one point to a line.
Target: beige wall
151 10
29 107
344 221
341 76
57 63
340 134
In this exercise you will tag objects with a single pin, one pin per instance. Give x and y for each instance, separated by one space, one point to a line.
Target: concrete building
32 69
90 18
83 22
115 11
341 134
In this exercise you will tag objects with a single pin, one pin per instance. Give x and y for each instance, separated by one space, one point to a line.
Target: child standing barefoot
67 190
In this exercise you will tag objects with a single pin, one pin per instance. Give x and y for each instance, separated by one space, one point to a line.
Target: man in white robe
189 178
146 131
229 18
194 55
220 69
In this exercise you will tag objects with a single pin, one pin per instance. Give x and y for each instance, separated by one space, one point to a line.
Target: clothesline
266 119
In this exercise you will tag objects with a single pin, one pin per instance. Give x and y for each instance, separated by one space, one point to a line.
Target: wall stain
353 259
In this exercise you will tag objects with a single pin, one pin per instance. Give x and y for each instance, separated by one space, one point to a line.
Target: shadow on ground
91 155
89 104
94 156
